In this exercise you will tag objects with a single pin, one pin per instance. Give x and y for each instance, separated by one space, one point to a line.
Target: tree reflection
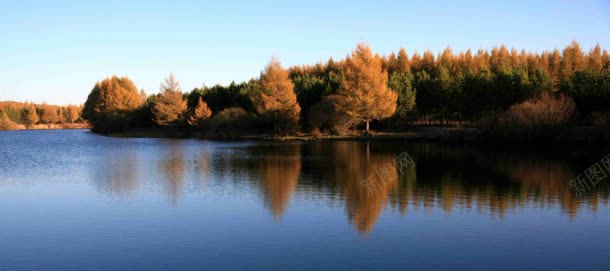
279 168
363 177
173 167
117 174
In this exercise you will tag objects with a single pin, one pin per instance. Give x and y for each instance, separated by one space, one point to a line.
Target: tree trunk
367 127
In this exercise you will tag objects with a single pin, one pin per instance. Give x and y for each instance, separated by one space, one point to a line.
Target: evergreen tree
401 82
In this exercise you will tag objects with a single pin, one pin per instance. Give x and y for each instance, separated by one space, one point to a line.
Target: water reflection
116 174
446 178
172 169
365 196
279 168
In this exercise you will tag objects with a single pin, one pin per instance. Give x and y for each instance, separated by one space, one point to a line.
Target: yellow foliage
364 94
169 107
111 98
277 100
201 113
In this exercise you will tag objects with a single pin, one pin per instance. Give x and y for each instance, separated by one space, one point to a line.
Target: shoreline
588 135
69 126
577 135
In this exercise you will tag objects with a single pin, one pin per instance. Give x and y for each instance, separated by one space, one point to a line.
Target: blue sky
55 51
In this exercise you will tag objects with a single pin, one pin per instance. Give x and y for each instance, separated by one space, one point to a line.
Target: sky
55 51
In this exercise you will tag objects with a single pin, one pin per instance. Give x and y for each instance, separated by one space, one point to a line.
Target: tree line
14 114
365 90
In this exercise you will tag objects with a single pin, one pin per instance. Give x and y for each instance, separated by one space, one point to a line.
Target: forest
501 89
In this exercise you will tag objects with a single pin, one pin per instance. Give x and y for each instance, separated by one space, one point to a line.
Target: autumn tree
29 116
200 113
143 95
364 95
573 60
169 106
48 114
277 100
72 113
170 84
111 104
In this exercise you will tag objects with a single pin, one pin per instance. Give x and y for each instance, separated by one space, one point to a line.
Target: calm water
76 200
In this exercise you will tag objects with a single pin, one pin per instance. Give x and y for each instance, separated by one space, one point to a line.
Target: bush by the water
547 110
534 119
231 122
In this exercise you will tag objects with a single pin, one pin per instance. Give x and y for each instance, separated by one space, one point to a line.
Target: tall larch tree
595 58
402 61
363 94
169 106
199 114
573 60
277 100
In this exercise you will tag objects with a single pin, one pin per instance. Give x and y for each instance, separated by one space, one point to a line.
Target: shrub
231 122
545 111
536 119
324 116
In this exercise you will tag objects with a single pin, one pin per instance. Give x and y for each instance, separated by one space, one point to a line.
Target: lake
71 199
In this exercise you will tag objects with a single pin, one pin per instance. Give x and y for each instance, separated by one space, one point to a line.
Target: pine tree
364 95
277 100
200 113
402 84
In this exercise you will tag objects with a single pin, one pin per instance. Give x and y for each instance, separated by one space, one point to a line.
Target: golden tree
48 114
169 106
277 100
363 94
73 113
29 116
110 103
200 113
